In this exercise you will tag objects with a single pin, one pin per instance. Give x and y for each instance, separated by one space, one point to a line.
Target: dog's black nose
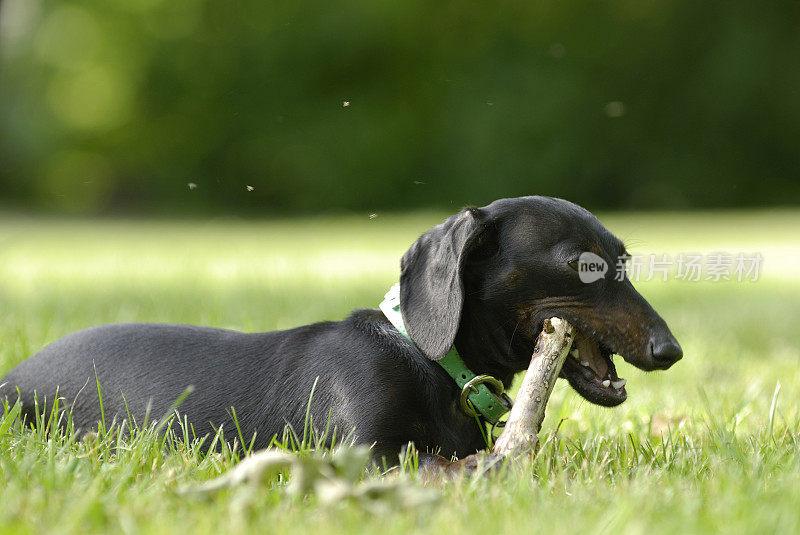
665 352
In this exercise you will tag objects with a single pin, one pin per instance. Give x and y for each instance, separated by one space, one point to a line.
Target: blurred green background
177 106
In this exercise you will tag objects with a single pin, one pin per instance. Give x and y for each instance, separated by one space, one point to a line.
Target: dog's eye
573 264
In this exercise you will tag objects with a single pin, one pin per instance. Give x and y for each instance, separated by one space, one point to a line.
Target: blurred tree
122 104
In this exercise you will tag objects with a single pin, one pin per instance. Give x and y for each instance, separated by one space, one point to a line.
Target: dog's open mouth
590 370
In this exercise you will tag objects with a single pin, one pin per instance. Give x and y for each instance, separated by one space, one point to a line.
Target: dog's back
142 369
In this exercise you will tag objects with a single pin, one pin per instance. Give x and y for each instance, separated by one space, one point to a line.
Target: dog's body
483 280
372 380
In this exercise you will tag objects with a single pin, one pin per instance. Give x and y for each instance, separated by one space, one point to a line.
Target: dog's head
487 278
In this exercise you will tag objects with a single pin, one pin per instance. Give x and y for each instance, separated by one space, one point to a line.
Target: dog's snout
665 352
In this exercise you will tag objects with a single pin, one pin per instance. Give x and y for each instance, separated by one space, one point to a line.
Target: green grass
704 447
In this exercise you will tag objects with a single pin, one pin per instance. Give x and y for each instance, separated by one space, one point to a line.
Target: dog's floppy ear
431 286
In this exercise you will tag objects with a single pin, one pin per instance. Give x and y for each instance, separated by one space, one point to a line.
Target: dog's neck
486 346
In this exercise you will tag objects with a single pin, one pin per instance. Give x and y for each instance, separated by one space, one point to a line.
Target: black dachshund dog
483 281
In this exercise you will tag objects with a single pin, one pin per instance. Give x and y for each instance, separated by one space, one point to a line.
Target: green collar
480 394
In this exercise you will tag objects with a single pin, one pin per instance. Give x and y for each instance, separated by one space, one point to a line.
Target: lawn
711 445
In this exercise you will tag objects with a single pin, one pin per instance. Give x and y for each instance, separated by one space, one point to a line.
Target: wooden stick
520 435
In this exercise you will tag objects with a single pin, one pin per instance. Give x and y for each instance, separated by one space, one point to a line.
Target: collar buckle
471 389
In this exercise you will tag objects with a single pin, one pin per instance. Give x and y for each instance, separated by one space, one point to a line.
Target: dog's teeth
619 384
586 363
606 383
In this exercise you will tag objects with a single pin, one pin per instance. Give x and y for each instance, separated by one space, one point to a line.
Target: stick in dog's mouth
520 434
